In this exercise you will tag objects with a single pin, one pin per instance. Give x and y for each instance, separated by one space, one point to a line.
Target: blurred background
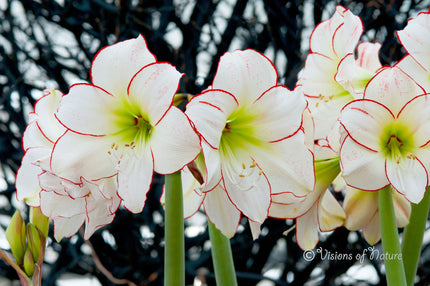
50 44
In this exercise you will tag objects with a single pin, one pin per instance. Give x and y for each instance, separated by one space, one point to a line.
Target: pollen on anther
109 152
260 173
253 165
116 146
112 146
243 166
241 175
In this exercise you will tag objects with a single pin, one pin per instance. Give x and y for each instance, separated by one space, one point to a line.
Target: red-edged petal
173 142
153 89
134 179
250 193
213 167
27 181
114 66
415 38
76 155
288 165
67 227
408 177
368 56
88 109
417 72
362 168
33 137
279 113
245 74
360 207
209 112
365 120
392 88
221 211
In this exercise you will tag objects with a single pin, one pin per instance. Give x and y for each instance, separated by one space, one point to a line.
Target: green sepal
28 263
34 240
39 220
15 235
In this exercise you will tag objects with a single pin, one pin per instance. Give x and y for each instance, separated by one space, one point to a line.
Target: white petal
416 116
88 109
279 113
67 227
372 232
250 192
213 167
330 213
318 77
115 65
45 108
153 89
415 38
288 165
245 74
365 120
408 177
33 137
192 199
173 142
255 229
54 205
221 211
402 208
209 112
287 206
368 56
392 88
416 71
362 168
134 180
27 181
76 155
322 35
360 207
99 209
307 229
346 37
352 77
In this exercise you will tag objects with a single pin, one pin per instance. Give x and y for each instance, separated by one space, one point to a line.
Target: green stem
413 237
222 257
390 240
174 253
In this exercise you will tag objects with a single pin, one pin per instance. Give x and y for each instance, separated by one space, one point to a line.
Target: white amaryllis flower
69 205
38 140
330 42
318 211
124 123
415 38
387 136
253 143
362 212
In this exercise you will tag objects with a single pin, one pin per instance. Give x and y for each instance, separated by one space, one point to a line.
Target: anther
253 164
112 146
261 172
243 166
242 175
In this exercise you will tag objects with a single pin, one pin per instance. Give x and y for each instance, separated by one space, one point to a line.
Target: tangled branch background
50 44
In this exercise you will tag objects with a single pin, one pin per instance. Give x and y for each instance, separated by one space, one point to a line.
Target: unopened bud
15 235
33 240
28 263
39 220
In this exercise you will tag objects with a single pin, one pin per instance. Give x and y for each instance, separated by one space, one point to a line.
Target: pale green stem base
222 257
390 240
174 251
413 237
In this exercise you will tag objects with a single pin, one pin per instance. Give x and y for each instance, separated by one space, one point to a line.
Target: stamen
242 175
243 166
112 146
411 156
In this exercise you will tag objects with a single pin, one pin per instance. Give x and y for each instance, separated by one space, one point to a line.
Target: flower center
397 142
133 126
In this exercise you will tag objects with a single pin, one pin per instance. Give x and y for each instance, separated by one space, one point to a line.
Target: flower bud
33 240
15 235
28 263
39 220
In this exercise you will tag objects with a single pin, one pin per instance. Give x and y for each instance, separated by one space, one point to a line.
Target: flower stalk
174 253
222 257
394 270
413 237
